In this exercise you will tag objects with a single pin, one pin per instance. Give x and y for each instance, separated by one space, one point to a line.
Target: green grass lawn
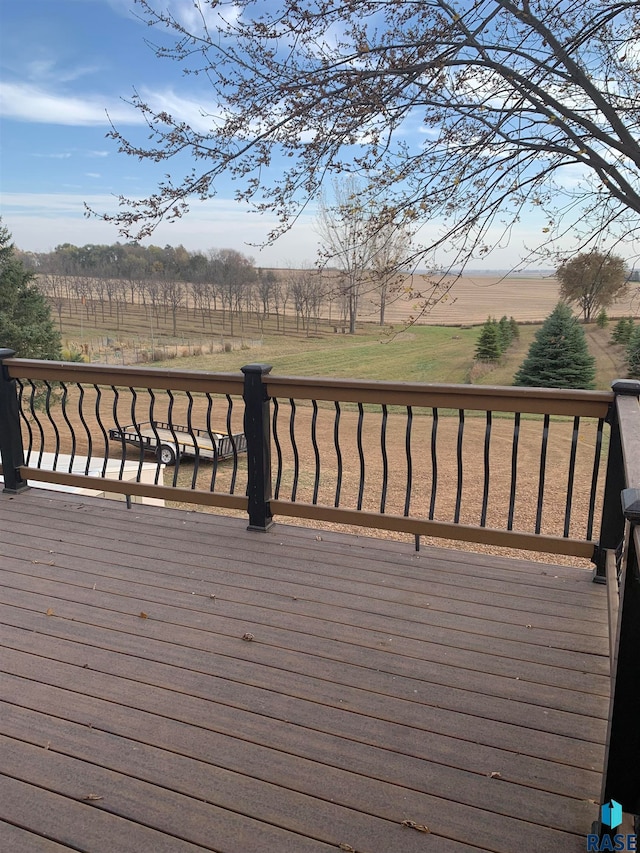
419 354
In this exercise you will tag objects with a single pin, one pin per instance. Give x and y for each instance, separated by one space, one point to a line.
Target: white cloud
61 156
181 108
195 15
35 104
25 102
47 69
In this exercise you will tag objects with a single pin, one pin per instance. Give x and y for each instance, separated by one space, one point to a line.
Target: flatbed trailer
170 442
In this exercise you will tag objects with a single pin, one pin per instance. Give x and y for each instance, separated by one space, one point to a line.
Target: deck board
461 691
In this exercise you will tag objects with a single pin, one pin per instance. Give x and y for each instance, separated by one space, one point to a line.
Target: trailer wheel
167 454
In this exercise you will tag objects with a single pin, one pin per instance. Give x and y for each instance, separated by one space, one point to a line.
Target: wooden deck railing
56 419
493 465
516 467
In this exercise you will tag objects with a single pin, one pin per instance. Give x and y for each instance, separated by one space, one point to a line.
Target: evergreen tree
504 331
489 346
622 331
515 329
602 319
633 354
558 356
25 316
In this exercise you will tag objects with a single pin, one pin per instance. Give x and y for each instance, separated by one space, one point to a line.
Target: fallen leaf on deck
143 615
347 847
50 612
93 797
43 562
419 827
495 775
248 636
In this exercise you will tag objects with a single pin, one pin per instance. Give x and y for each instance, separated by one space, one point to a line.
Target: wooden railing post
11 450
612 526
621 778
257 428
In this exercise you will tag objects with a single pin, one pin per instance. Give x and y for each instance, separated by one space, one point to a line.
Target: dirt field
472 298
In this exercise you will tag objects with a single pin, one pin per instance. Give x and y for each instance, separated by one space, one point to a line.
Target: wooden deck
172 682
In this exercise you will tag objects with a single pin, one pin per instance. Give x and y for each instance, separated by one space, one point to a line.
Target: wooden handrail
127 376
551 401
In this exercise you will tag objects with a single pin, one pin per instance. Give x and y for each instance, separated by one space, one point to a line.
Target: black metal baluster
114 409
360 455
514 470
487 471
336 443
407 448
85 426
123 444
276 441
56 432
156 435
456 515
25 420
543 466
63 406
135 421
194 439
594 479
214 443
294 446
385 460
176 444
234 449
572 468
316 451
105 435
33 409
434 464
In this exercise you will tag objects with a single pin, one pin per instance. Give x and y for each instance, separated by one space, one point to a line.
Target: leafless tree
392 249
54 287
233 273
523 104
348 240
172 294
306 289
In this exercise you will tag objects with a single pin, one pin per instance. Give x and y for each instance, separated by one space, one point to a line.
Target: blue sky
65 65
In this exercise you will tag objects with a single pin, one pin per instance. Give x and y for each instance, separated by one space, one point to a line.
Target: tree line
219 284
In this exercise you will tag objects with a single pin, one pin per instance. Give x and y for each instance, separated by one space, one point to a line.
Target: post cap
630 387
260 369
631 505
